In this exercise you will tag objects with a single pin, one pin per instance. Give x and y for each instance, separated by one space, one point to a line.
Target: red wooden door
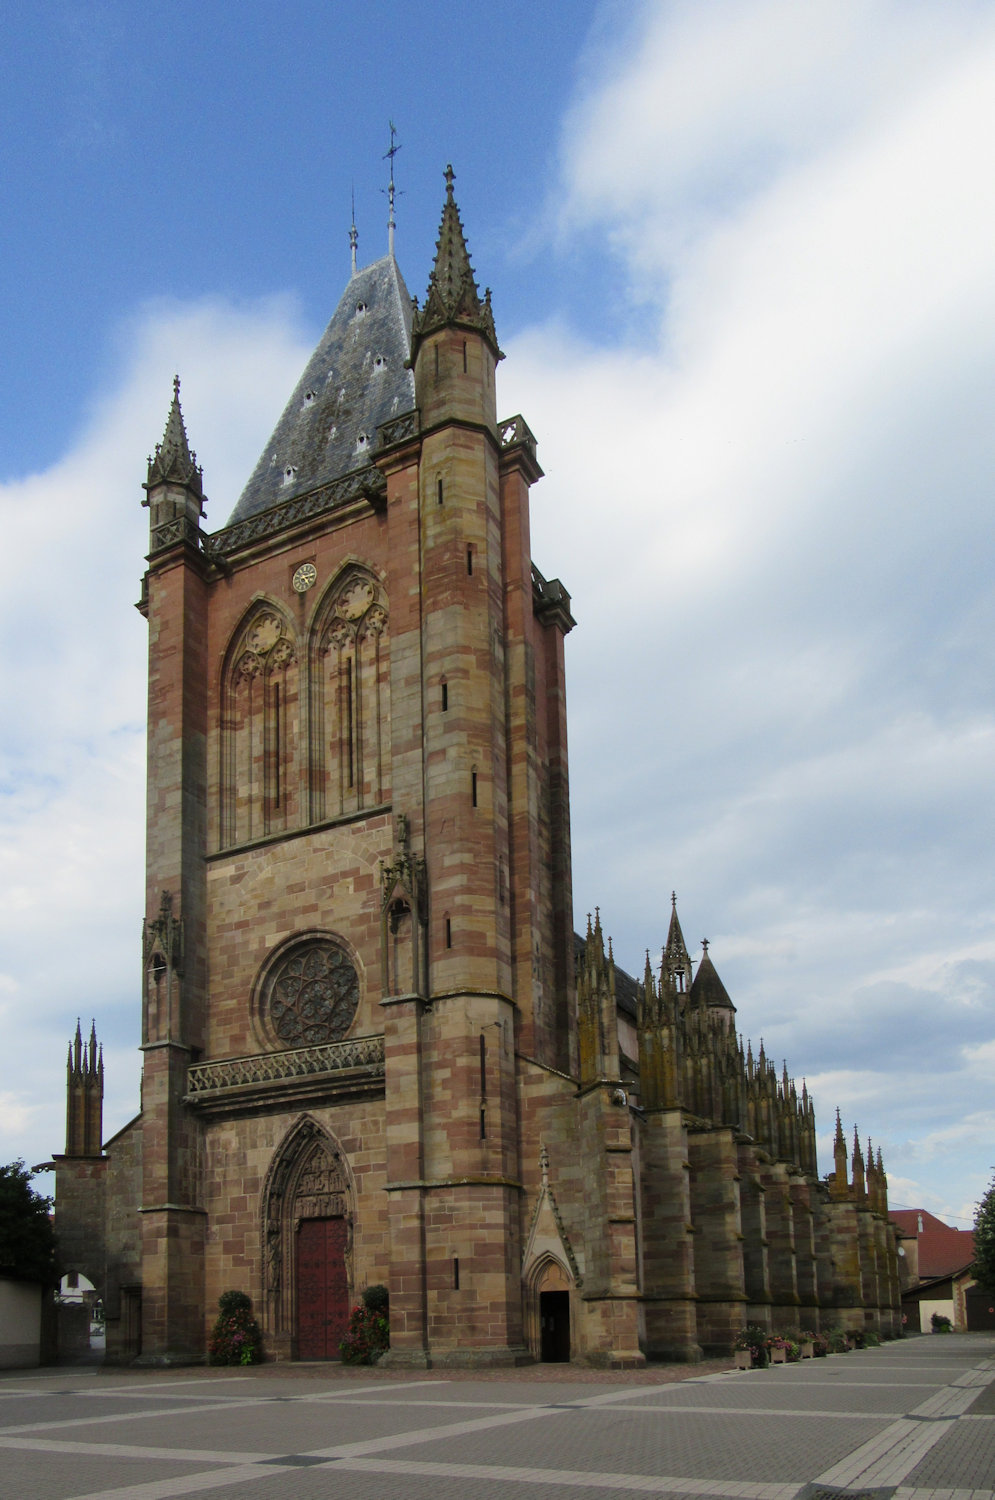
322 1289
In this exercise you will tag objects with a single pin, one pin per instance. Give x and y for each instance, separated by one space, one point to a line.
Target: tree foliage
984 1240
27 1238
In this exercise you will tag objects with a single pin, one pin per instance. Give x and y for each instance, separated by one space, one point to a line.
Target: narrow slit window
483 1066
473 787
438 490
483 1123
445 697
349 718
449 932
464 356
469 561
436 361
276 744
455 1273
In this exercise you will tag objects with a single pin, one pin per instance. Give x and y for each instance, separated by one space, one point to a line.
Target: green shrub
837 1340
941 1324
236 1339
820 1347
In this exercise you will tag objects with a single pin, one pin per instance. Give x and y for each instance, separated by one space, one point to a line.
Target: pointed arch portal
307 1234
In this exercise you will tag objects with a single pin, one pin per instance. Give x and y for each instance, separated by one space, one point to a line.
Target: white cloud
772 506
771 503
72 745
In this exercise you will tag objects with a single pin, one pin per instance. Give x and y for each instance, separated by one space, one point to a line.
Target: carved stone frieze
205 1079
362 484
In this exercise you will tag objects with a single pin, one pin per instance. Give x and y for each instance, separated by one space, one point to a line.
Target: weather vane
389 154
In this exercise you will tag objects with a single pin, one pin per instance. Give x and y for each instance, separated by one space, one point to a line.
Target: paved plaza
913 1420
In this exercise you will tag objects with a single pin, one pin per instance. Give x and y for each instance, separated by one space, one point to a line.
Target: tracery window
350 698
259 766
310 995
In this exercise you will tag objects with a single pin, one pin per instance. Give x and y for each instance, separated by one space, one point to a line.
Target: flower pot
779 1356
807 1349
744 1359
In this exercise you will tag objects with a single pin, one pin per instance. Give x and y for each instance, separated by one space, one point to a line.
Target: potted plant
751 1343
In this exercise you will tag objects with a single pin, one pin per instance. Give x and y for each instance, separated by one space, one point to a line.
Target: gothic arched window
350 698
259 729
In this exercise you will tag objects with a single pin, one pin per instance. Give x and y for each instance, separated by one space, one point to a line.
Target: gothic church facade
373 1049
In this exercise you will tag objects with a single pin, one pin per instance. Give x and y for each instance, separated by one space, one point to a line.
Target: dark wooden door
554 1315
322 1289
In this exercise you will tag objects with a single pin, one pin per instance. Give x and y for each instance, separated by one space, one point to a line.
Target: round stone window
312 994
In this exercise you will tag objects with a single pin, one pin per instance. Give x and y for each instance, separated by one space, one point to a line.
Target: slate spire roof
452 296
173 462
707 988
357 377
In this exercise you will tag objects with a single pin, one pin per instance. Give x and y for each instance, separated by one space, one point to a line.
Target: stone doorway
307 1238
554 1327
322 1288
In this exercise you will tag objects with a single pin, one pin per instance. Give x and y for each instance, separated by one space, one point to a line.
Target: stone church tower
374 1050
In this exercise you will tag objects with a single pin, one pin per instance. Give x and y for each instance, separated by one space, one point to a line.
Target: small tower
838 1183
174 486
859 1186
596 1010
84 1096
708 991
675 967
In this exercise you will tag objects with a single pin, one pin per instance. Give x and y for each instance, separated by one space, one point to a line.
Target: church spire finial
452 299
353 233
174 459
389 155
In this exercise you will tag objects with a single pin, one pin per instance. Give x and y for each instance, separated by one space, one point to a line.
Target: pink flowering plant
754 1338
369 1329
236 1339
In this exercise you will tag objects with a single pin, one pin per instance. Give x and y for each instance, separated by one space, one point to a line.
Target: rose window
313 994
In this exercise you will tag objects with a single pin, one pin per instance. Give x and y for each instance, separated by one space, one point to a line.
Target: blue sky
740 253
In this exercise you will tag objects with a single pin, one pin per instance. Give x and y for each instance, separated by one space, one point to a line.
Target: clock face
305 577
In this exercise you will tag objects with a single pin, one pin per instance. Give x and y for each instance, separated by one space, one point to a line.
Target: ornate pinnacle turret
174 463
675 965
838 1181
859 1188
452 296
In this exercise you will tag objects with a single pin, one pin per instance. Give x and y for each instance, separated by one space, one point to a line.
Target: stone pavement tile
29 1476
963 1458
984 1402
281 1427
882 1400
696 1446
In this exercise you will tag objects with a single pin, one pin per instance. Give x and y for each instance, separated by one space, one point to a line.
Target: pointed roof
676 948
174 463
452 296
707 988
357 377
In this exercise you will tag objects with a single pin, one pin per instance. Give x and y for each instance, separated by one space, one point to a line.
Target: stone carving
321 1188
362 484
397 429
307 1180
249 666
375 622
312 994
355 599
264 633
203 1079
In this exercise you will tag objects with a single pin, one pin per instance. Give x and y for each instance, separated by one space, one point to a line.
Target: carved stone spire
84 1095
675 969
174 463
174 489
452 297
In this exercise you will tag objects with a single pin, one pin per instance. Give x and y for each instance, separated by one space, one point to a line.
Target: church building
374 1049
